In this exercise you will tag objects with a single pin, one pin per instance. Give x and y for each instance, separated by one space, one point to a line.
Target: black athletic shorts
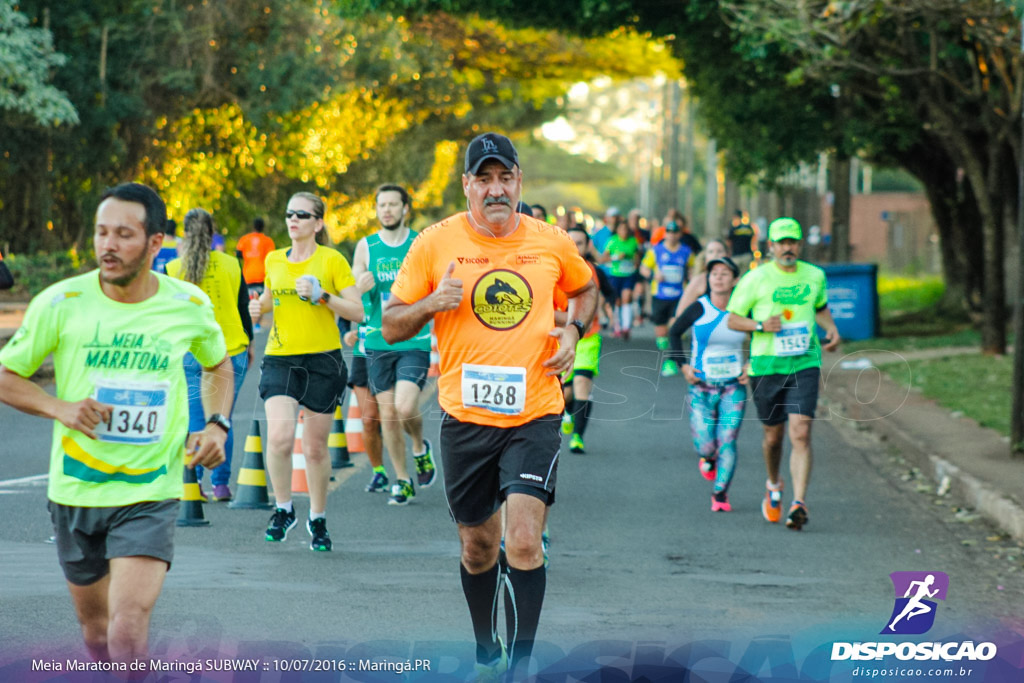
88 538
385 368
483 464
357 376
779 396
662 310
315 380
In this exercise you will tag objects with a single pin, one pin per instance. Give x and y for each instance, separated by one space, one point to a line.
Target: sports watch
221 421
325 297
760 326
580 328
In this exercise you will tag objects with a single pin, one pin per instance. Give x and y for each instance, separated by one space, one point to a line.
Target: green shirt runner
128 356
795 297
384 262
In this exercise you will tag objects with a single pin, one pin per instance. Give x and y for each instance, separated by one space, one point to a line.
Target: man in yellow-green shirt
786 302
118 335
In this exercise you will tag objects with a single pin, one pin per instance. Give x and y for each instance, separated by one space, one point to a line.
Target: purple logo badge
916 592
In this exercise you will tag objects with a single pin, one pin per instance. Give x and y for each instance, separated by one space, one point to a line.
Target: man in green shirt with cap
783 303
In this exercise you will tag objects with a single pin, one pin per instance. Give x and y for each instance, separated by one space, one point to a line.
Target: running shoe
576 444
221 493
771 506
720 502
281 522
669 368
797 517
567 423
319 539
493 671
426 473
545 544
708 468
402 493
378 483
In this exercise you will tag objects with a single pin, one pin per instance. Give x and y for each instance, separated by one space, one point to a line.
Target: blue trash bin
853 299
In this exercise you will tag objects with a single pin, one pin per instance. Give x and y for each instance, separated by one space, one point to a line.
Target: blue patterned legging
716 413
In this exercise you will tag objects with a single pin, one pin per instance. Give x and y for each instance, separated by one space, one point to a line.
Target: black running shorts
315 380
662 310
358 377
385 368
779 396
481 464
88 538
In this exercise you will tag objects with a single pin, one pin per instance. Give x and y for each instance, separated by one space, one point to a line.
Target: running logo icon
916 592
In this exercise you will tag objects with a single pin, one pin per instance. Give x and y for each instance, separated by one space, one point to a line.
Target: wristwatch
325 297
221 421
760 326
578 324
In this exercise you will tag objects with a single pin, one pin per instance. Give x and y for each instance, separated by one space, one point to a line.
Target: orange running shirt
562 302
254 248
492 346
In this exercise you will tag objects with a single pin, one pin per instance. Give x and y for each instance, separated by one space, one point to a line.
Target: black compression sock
582 417
523 599
482 592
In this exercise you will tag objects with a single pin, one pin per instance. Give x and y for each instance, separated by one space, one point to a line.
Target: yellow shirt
302 327
221 283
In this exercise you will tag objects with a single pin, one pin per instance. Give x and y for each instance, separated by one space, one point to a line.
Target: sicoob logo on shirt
502 299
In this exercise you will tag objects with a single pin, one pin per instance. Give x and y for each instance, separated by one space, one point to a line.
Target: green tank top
385 262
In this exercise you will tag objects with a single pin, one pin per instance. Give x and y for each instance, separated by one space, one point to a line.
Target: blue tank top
672 266
717 351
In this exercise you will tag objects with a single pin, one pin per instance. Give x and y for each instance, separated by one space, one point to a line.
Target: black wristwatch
325 297
221 421
578 324
760 326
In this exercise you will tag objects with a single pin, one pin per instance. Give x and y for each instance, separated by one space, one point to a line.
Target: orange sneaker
771 506
797 517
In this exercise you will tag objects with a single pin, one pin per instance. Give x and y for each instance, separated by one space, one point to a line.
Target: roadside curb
992 497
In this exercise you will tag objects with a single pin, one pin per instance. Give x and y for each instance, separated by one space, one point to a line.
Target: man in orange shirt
253 248
488 277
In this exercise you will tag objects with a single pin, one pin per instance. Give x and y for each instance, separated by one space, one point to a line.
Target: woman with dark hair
306 286
220 276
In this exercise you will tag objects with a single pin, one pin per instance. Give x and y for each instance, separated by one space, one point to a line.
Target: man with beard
786 302
118 336
501 357
396 372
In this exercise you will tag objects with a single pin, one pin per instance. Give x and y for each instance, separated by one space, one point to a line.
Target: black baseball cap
490 146
725 261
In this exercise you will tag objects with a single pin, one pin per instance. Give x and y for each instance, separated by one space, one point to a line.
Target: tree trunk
839 249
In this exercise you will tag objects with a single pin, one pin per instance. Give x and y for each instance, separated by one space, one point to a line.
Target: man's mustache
497 200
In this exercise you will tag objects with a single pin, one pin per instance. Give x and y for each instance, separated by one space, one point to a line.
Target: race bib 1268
495 388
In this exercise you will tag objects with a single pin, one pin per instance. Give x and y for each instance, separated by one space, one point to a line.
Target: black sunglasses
301 215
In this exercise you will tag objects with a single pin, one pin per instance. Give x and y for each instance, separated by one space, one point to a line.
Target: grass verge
977 386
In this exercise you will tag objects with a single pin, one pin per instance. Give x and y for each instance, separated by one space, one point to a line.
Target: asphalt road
640 567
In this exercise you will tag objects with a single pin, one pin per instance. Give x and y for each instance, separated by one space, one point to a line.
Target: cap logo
489 145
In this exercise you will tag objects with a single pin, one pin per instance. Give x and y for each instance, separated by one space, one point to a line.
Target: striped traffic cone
435 358
190 508
354 427
251 493
337 442
299 482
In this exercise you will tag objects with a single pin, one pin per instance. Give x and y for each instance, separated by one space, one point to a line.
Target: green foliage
26 58
35 272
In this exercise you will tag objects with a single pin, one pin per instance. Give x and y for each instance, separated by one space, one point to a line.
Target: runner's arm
361 267
349 305
218 394
243 307
823 317
28 397
582 304
403 321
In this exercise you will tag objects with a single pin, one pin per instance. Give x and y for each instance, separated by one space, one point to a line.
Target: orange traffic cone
337 442
190 509
435 358
251 493
299 482
354 427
